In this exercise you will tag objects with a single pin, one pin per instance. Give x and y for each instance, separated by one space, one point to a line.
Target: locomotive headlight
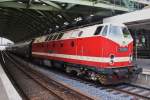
112 57
131 58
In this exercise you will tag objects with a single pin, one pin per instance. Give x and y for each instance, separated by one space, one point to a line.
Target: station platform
145 64
7 90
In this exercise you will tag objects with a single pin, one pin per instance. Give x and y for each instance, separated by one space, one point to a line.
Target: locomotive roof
92 24
116 24
91 29
84 26
95 24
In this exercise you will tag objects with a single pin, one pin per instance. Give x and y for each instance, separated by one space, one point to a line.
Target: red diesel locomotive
100 52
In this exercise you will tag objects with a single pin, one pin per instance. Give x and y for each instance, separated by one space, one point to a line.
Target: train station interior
121 64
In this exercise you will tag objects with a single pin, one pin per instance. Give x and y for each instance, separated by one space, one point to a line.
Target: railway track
134 90
137 92
41 86
122 90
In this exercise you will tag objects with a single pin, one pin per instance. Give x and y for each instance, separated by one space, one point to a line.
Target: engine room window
72 44
104 33
117 32
60 35
50 38
55 36
98 30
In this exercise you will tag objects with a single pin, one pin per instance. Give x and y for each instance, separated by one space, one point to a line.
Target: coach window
98 30
104 33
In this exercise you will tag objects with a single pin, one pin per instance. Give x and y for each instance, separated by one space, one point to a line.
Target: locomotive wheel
47 63
73 72
133 77
38 61
102 79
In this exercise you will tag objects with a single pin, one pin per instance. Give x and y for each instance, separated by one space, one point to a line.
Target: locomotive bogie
47 63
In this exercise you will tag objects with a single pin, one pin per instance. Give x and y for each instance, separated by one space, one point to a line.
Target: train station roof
25 19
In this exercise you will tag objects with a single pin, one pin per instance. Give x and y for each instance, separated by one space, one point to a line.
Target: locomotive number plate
122 49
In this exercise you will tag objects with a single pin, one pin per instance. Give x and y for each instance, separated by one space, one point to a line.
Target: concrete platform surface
7 91
143 63
3 94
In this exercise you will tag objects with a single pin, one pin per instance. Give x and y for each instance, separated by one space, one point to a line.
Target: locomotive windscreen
119 31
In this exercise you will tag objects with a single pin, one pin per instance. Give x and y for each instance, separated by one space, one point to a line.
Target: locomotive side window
126 32
98 30
80 33
104 33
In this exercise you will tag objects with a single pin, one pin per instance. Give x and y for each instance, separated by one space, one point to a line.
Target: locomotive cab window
98 30
104 32
119 32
